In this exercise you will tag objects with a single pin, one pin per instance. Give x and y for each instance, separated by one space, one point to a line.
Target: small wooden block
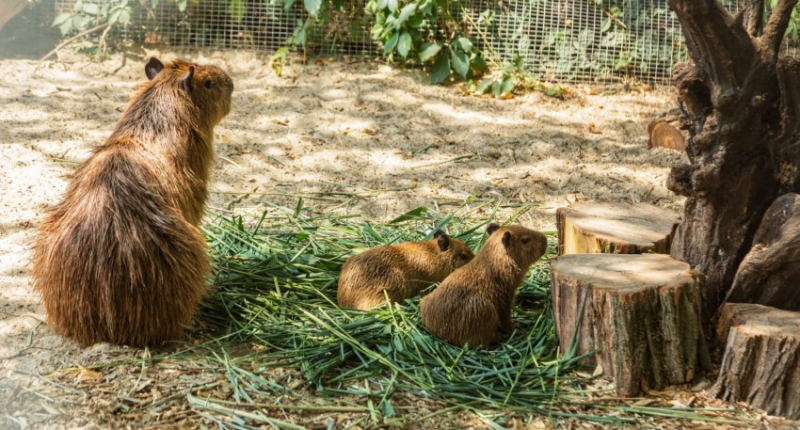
643 312
619 228
761 365
664 135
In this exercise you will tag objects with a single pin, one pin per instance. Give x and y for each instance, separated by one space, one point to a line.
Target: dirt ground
349 135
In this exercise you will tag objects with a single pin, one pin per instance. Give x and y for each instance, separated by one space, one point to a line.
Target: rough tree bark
761 365
742 107
770 273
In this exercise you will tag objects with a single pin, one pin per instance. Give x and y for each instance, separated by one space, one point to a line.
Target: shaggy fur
475 301
401 270
120 258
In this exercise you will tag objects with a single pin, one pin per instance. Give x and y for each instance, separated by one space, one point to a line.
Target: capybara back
120 258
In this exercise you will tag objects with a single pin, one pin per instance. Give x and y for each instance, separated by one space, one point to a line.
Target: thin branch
67 42
777 24
754 17
715 41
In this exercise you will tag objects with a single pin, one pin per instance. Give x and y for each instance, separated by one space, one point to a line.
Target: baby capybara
120 258
401 270
473 304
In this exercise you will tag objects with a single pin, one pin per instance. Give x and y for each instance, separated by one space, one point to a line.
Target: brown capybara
473 305
401 270
120 259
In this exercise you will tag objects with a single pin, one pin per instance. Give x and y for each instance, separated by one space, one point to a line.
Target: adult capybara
473 304
401 270
120 258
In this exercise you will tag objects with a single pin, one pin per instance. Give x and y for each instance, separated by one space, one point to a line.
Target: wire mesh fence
557 40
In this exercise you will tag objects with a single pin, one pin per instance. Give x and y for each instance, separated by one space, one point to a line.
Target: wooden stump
643 312
619 228
761 365
664 135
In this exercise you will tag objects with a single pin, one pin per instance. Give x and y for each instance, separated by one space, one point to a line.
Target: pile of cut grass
275 287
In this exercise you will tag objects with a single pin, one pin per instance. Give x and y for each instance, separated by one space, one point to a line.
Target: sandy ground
349 135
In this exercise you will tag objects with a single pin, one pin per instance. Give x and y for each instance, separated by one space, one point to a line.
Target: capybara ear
438 233
186 80
492 228
507 239
444 242
153 68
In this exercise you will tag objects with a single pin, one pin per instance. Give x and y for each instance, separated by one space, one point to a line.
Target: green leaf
387 409
91 8
300 35
404 44
496 88
392 5
313 6
66 27
405 13
612 40
125 17
182 4
415 21
61 18
440 69
460 62
236 9
606 25
507 85
382 4
478 64
428 50
462 43
413 213
483 87
114 17
391 44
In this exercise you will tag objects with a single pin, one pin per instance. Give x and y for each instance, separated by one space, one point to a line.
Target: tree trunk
9 9
643 313
619 228
770 274
741 102
761 365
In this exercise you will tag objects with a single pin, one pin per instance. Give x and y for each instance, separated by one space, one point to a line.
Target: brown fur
474 302
401 270
120 258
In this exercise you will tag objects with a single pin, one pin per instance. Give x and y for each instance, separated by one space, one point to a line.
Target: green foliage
275 286
429 33
87 14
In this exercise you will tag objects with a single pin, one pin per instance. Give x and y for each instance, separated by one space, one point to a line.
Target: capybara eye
526 239
209 83
464 256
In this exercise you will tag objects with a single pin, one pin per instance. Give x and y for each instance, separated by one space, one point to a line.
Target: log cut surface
664 135
643 313
761 365
621 228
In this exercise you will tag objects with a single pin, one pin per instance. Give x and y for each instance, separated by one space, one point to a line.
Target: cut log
642 312
618 228
664 135
770 273
761 365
